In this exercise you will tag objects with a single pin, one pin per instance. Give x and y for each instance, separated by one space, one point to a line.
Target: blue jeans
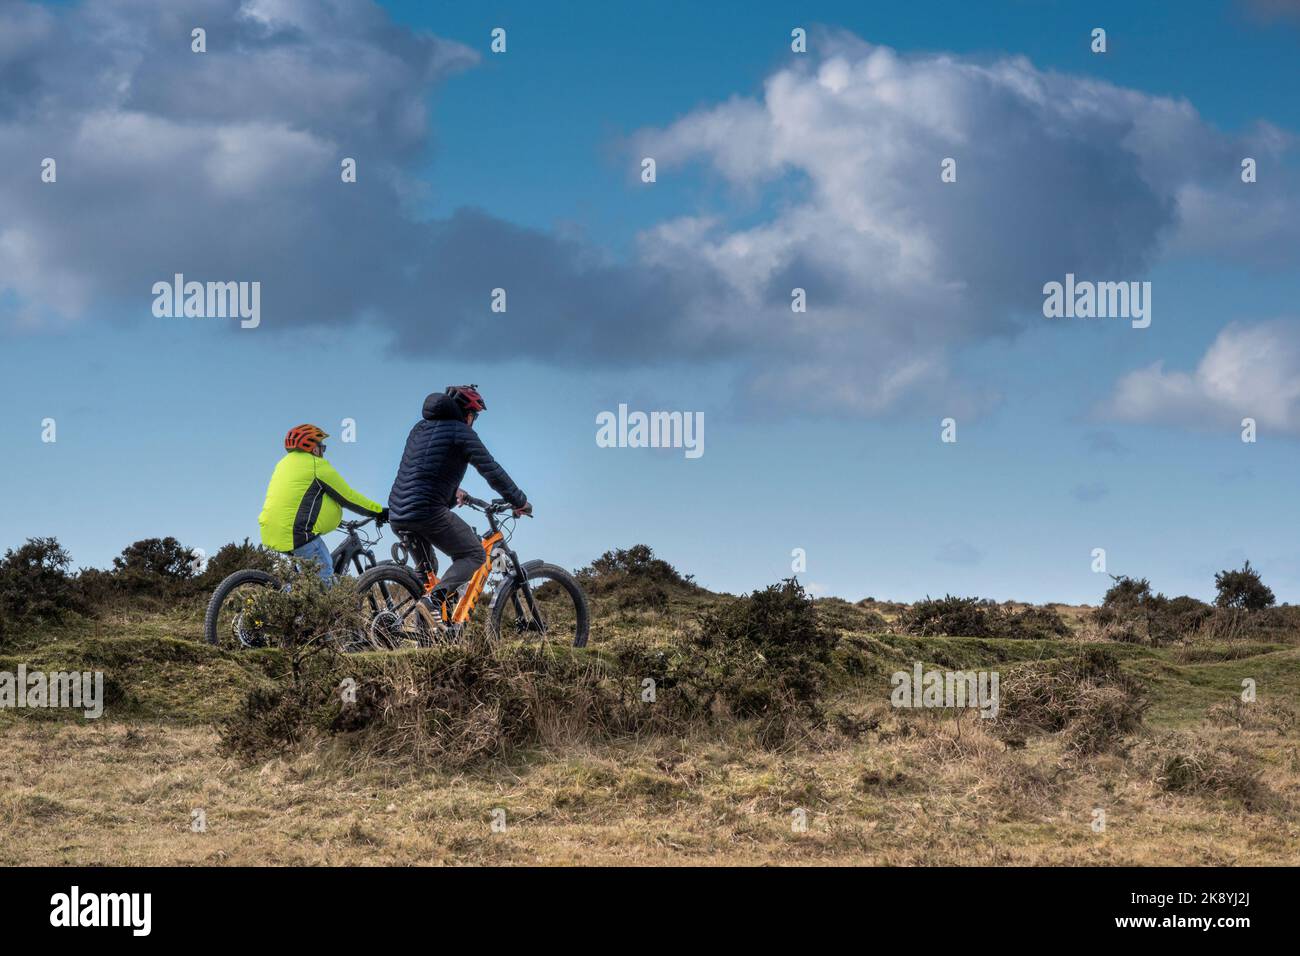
318 551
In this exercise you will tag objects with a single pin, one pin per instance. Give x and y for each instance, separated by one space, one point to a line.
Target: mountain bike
530 599
226 615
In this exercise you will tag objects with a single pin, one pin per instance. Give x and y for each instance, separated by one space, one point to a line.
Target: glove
381 519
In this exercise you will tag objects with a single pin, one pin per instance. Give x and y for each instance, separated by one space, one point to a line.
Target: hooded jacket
305 500
438 450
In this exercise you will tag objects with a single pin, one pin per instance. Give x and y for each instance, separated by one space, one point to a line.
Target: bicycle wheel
226 624
389 597
557 610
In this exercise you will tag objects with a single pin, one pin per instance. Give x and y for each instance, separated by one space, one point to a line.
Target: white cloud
1249 371
1056 174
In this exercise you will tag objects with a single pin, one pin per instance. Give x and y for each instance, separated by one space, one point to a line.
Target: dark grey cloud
225 166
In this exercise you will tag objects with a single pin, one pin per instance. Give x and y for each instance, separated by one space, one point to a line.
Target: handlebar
355 525
495 506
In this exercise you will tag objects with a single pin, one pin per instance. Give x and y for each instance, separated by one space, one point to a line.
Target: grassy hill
1150 737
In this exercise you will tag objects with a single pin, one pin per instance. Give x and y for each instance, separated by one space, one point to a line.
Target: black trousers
450 535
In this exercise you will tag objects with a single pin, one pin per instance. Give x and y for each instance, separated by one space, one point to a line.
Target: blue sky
524 165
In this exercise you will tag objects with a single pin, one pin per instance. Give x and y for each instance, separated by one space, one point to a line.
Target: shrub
967 617
1035 623
452 705
235 557
979 617
767 656
1132 613
763 659
1242 589
1127 592
1184 764
634 578
637 561
157 567
306 612
35 587
1087 695
1277 715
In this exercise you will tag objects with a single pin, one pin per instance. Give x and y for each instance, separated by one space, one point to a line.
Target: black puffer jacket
433 464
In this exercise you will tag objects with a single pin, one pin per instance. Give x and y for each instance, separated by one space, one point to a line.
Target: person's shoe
435 603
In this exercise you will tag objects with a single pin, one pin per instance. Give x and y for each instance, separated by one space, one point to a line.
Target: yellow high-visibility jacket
305 499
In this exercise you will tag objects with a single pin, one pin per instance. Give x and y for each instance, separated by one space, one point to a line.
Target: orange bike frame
474 589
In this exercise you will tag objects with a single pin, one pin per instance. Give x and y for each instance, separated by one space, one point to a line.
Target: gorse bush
153 573
764 652
235 557
968 617
157 567
637 563
305 611
763 660
35 587
980 617
1131 612
633 579
1127 592
1242 589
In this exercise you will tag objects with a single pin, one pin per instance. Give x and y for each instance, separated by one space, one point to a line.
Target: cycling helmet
467 397
306 438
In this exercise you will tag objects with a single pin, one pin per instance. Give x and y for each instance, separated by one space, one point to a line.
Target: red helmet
306 438
468 398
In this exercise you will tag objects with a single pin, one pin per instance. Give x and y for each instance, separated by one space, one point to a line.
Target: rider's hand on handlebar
460 497
381 519
527 509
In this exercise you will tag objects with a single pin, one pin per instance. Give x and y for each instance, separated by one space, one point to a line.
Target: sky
775 170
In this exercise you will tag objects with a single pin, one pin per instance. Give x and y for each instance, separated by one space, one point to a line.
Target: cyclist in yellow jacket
306 498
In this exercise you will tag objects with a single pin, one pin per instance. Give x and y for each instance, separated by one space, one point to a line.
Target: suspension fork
521 582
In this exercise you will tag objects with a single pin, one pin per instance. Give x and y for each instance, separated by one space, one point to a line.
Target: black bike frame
352 550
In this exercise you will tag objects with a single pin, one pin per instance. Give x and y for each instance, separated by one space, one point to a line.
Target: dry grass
920 791
1214 783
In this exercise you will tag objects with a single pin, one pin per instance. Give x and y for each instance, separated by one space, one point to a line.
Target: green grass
151 676
157 668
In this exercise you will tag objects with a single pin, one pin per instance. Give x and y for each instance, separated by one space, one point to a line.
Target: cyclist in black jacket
438 450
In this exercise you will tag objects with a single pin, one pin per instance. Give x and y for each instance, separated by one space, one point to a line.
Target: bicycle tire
549 572
223 591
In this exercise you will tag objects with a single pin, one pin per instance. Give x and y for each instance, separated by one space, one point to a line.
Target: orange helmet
306 438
